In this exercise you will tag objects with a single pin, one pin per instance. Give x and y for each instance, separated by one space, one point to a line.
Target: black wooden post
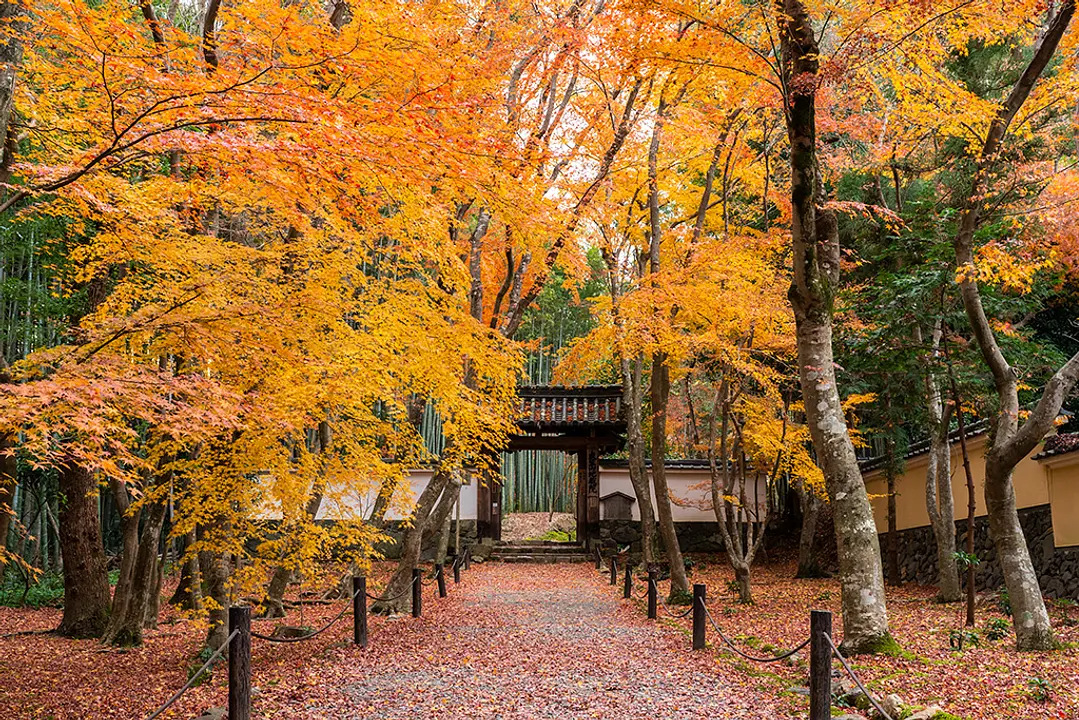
652 591
698 616
440 573
614 571
627 586
455 563
240 664
417 592
820 665
468 558
599 557
359 611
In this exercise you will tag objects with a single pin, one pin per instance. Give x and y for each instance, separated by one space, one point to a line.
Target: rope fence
191 681
822 648
238 643
853 676
316 633
737 651
391 598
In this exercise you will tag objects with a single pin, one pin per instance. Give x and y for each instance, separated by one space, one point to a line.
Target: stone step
525 550
546 558
540 543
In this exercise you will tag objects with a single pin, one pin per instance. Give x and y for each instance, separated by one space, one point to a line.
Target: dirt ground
532 526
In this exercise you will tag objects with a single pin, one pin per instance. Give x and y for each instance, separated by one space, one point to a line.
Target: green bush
1004 603
1039 689
959 639
998 629
558 536
47 590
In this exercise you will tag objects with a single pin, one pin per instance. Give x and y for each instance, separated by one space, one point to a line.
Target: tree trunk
661 389
129 531
444 536
412 544
126 625
188 595
808 567
939 502
892 540
743 578
86 579
444 508
632 371
13 17
7 495
215 572
638 472
153 602
816 262
1032 627
273 605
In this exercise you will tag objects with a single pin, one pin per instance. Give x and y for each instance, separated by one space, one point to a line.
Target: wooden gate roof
563 408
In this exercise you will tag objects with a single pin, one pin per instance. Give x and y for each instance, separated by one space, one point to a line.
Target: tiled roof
1059 445
921 447
668 464
552 407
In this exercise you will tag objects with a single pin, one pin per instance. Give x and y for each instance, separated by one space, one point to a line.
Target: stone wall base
693 537
1057 568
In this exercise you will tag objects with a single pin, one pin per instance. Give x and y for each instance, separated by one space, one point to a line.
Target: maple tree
997 149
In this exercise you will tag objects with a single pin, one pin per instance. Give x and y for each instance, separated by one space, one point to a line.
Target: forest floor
990 680
510 642
526 641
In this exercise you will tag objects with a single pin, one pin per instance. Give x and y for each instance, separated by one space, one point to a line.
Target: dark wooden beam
568 443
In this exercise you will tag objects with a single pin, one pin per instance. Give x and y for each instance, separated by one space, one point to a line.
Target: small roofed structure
617 506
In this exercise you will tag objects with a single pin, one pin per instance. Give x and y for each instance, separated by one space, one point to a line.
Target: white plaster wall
418 479
683 485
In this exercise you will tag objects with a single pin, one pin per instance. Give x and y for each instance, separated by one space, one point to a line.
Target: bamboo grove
250 247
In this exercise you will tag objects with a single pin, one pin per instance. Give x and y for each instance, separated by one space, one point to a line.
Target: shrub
959 639
681 597
1039 689
558 536
18 591
1066 604
1004 603
997 629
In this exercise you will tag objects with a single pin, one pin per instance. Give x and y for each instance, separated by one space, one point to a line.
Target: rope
195 677
731 645
431 579
667 609
643 595
857 681
395 597
324 628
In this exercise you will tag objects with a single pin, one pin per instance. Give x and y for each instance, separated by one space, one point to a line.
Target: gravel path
523 641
